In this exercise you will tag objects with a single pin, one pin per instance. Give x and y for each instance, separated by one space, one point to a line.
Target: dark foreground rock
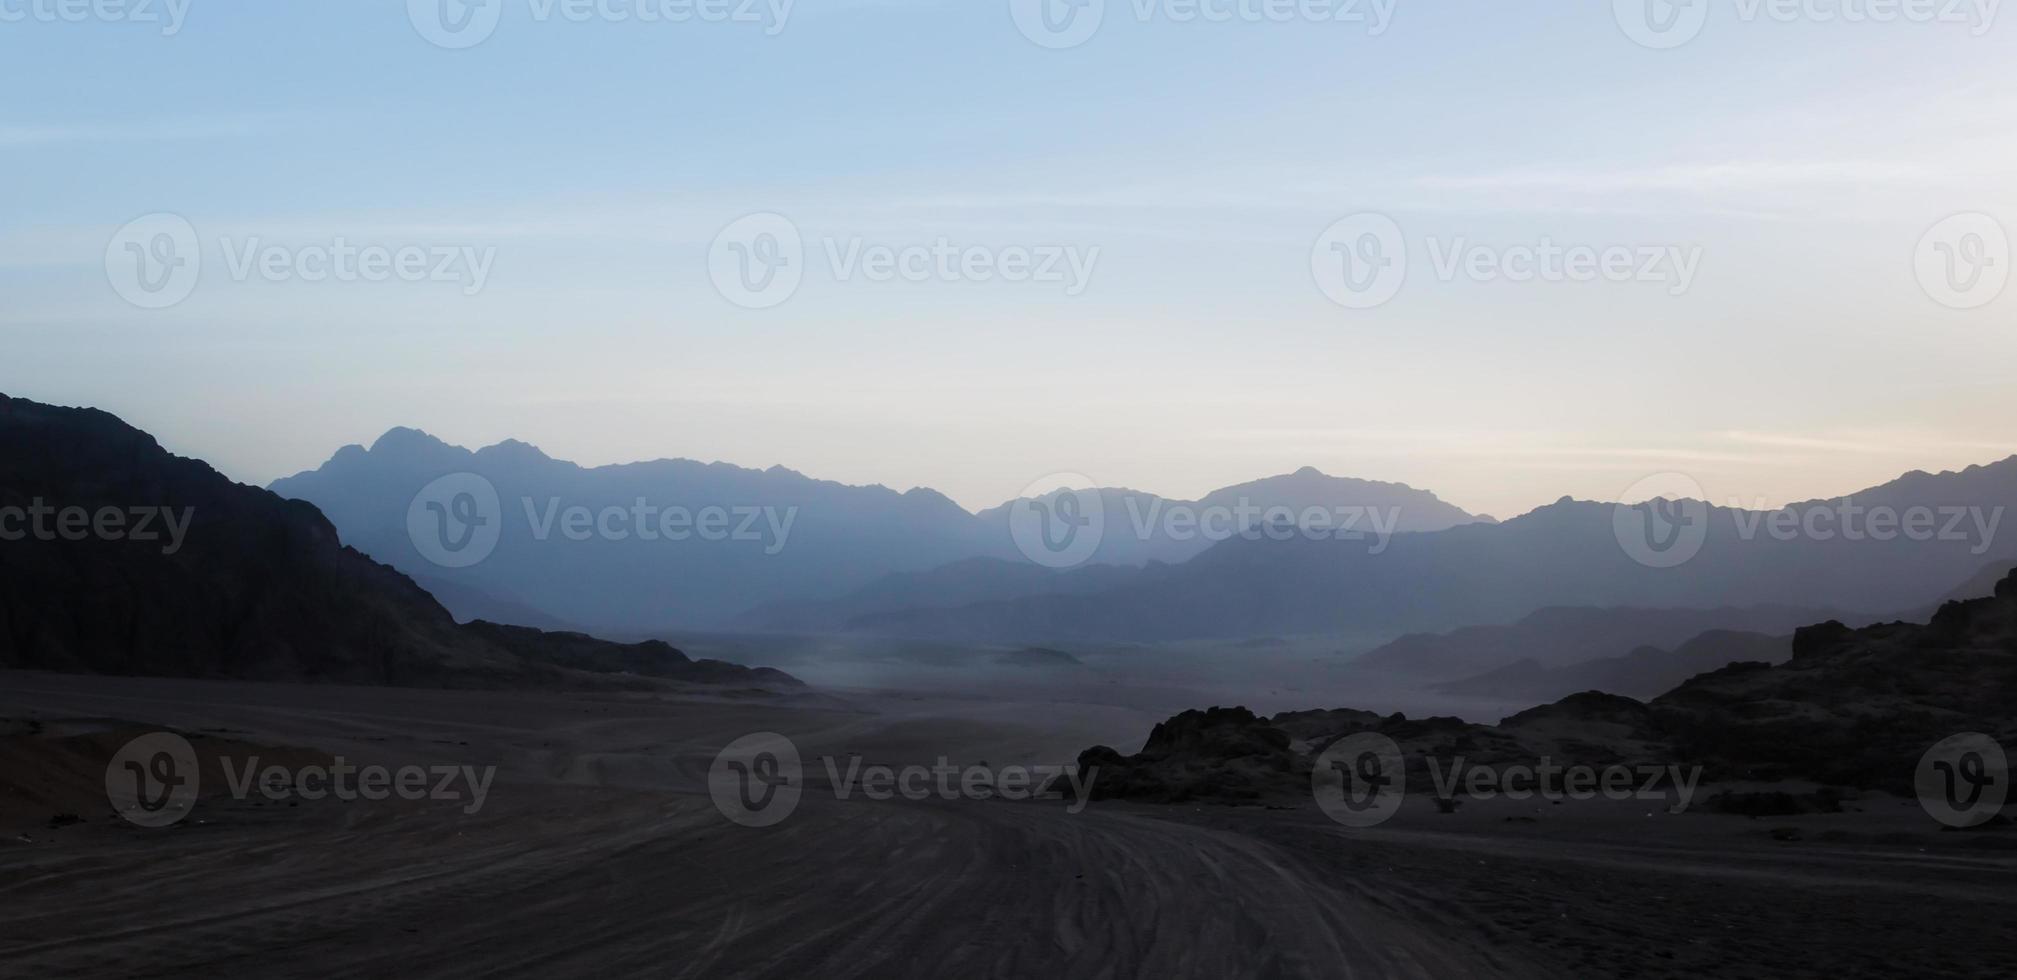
1853 708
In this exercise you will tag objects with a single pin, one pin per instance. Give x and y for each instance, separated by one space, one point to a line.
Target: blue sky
1799 160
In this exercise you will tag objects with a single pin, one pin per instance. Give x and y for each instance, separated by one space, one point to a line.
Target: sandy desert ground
599 851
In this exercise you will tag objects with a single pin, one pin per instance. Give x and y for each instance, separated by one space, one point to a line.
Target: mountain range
1570 553
819 554
796 554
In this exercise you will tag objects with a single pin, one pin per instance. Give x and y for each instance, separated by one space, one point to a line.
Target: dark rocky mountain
254 585
1851 708
1854 707
1644 673
1567 554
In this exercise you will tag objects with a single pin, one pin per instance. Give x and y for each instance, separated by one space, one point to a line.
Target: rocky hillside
1852 708
117 557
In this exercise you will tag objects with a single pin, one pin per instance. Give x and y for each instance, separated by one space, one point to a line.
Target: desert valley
1018 776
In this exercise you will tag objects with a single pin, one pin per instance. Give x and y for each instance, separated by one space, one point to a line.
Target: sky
1506 251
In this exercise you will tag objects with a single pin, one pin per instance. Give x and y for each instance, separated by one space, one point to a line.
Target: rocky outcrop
1223 755
1852 708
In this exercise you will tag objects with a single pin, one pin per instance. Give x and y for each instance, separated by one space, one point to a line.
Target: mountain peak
513 450
400 440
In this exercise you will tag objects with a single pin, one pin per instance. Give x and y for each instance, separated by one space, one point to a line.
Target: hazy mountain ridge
853 555
1565 554
813 537
1139 525
1644 673
1562 637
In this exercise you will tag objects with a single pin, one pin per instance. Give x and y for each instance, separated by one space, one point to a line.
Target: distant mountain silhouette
1143 527
1565 554
1644 673
1981 585
1567 637
850 554
838 538
254 586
